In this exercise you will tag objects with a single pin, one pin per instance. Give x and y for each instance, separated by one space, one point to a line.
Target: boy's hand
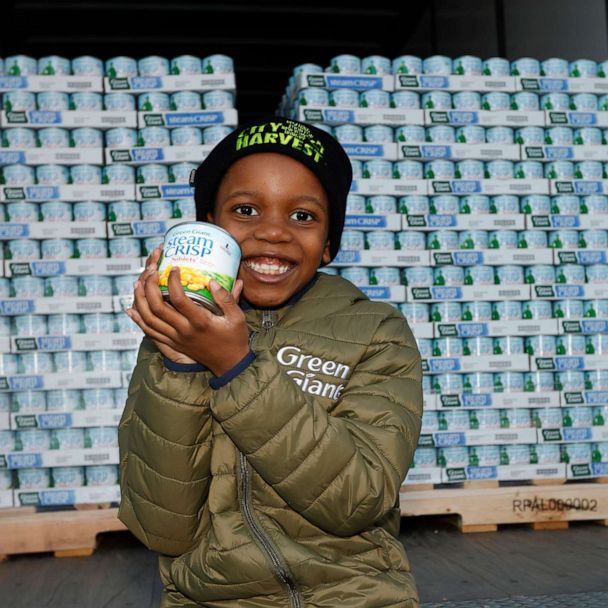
187 330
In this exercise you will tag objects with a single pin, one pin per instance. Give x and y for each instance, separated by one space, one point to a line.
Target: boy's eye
245 210
302 216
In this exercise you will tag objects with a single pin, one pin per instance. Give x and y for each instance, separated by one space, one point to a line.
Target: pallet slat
65 533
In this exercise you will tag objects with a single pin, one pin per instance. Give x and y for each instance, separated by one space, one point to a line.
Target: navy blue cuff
217 382
183 367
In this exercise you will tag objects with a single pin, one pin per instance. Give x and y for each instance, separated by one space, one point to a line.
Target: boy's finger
224 299
136 317
152 320
182 303
237 290
160 307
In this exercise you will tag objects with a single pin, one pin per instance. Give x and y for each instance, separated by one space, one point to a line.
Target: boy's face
278 211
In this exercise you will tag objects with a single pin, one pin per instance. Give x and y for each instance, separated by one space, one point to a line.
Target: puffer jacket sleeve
165 451
341 470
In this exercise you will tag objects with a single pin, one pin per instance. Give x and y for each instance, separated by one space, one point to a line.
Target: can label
218 64
202 252
356 275
405 99
496 101
468 65
124 248
437 64
87 66
499 135
407 64
212 135
20 138
471 134
374 98
186 136
223 100
378 134
68 477
56 249
441 134
87 138
101 475
90 248
186 64
89 211
514 454
467 100
154 137
119 102
410 134
52 101
436 100
153 102
484 455
343 98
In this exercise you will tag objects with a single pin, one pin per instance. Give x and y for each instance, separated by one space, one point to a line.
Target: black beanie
314 148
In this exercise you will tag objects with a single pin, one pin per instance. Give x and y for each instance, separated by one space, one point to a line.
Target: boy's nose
273 230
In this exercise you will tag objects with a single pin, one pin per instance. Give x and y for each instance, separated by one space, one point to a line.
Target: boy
262 451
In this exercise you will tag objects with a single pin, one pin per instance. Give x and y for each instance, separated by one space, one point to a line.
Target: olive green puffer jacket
280 488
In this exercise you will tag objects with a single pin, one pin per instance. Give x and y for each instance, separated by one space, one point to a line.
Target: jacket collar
294 298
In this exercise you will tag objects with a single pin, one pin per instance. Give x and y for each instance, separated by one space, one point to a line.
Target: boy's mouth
270 266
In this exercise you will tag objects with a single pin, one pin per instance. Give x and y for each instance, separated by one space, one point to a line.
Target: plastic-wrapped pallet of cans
486 216
89 183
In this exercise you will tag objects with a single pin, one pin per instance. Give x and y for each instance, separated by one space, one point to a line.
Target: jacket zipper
280 569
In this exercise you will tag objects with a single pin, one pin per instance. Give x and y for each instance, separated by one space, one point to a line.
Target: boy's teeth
265 268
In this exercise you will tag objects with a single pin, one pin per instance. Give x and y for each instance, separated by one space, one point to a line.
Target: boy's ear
326 255
210 217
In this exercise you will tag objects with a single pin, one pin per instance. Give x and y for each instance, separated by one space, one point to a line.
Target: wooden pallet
483 508
65 533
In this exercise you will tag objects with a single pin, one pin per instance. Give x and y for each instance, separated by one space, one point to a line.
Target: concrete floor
509 568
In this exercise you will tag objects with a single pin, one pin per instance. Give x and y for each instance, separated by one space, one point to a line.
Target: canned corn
479 275
418 276
480 312
500 135
525 66
471 134
469 169
436 100
19 138
377 169
153 102
119 102
407 64
87 66
525 101
405 99
563 239
446 240
507 310
537 309
345 64
479 346
502 239
437 64
381 240
410 134
448 275
559 136
496 66
53 101
466 100
447 312
407 169
415 312
446 384
90 248
376 64
62 286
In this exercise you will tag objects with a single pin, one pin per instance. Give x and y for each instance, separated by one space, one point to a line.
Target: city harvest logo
306 368
288 133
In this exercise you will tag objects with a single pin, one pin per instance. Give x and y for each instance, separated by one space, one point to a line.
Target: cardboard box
444 439
520 187
60 458
465 222
564 292
572 434
357 82
429 402
531 471
392 187
54 268
492 363
422 330
468 293
423 475
591 469
68 84
52 230
170 191
381 258
170 154
574 153
111 192
365 151
545 84
200 118
459 151
492 257
361 116
392 293
470 329
66 420
576 119
78 342
579 256
583 326
53 156
591 398
485 118
44 382
565 363
425 82
49 306
578 186
504 473
498 400
392 221
70 119
65 497
566 222
185 82
6 499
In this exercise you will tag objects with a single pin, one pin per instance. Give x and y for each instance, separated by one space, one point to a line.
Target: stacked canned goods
89 226
516 310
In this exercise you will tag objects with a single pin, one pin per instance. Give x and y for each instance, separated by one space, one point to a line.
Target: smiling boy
262 450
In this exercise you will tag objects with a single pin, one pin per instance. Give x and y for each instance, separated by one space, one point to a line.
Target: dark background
268 39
